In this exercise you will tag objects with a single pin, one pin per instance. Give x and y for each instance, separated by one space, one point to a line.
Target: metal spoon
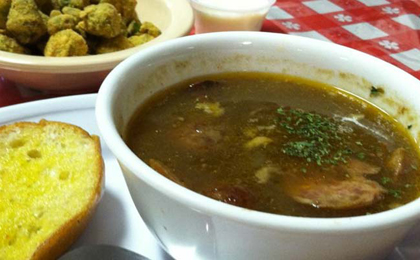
101 252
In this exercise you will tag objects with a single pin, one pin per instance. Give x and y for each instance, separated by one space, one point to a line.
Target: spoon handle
101 252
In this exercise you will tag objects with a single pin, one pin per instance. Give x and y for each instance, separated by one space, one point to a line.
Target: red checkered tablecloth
388 29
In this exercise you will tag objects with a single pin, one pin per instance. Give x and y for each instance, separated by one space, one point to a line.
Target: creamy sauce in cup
233 15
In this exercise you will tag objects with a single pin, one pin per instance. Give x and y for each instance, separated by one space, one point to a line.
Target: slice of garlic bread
51 179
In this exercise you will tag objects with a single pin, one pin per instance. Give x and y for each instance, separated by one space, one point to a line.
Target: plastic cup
229 15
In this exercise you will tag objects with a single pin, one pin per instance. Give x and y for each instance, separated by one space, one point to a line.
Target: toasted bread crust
64 237
68 233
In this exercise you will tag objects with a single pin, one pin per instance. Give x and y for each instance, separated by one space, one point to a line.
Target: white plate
116 221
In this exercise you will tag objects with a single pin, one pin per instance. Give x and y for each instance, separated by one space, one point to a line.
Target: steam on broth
277 144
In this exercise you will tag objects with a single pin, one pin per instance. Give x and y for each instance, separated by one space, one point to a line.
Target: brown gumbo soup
277 144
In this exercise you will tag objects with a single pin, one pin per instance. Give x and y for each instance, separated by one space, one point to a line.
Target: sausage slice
195 136
234 195
165 171
357 168
348 194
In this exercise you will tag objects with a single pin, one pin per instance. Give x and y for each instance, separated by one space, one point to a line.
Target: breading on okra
60 28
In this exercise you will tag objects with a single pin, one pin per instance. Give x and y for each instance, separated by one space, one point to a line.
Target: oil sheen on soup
277 144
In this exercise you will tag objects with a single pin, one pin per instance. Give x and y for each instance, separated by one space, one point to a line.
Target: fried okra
149 28
61 22
115 44
142 33
25 22
59 4
128 11
11 45
4 11
54 13
101 20
73 12
44 17
83 26
66 43
127 8
140 39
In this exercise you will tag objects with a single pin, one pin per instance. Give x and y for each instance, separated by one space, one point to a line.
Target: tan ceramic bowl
86 73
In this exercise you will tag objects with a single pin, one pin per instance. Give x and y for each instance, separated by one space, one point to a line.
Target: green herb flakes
313 137
386 180
361 155
408 186
280 111
395 193
374 92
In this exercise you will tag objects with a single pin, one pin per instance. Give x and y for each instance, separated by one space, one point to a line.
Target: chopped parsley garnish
395 193
359 143
414 167
313 137
408 186
386 180
280 110
376 91
361 155
409 127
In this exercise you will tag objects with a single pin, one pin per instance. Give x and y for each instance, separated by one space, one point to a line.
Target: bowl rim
180 25
407 213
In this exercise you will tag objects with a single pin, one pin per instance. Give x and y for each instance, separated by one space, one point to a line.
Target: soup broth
277 144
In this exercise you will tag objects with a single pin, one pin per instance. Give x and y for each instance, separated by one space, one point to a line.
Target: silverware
101 252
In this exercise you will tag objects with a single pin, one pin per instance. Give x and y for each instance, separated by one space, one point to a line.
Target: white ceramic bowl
191 226
86 73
